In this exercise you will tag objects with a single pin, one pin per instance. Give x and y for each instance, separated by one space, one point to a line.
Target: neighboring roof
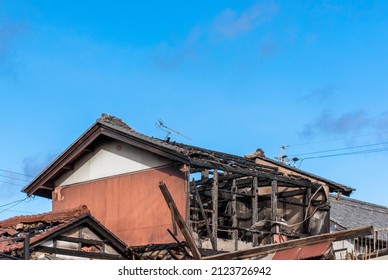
322 250
112 127
42 227
350 213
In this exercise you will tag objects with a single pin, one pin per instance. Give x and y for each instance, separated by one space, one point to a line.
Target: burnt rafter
250 172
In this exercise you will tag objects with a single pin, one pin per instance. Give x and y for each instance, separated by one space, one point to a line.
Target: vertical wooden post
188 197
234 214
306 200
200 204
274 203
26 248
254 209
215 207
204 174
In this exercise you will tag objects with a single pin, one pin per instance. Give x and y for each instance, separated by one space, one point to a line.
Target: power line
13 172
10 177
14 203
11 183
340 149
351 153
331 140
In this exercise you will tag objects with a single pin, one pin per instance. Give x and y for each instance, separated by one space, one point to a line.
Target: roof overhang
42 185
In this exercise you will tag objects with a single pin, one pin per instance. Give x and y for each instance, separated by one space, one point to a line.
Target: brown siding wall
132 205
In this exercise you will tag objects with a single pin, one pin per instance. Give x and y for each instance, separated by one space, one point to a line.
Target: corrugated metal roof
303 253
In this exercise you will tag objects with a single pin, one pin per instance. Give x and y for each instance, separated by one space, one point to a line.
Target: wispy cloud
9 34
169 57
350 123
230 23
321 94
32 165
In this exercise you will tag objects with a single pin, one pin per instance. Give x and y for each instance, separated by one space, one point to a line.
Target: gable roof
111 127
350 213
46 226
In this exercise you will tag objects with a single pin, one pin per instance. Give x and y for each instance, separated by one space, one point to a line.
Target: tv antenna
160 124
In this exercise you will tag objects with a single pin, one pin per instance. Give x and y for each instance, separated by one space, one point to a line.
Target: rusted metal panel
131 205
302 253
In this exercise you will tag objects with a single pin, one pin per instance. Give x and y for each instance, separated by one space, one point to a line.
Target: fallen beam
180 222
311 240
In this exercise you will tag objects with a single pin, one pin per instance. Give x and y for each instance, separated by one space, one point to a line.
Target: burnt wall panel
132 205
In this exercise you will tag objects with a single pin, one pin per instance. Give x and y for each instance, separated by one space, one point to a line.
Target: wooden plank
208 230
234 214
255 213
188 194
316 239
66 252
80 240
174 229
180 222
306 200
215 208
283 194
179 243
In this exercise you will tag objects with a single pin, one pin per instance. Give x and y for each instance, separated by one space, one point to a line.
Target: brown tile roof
38 226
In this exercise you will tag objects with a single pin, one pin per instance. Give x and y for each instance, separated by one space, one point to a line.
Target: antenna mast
160 124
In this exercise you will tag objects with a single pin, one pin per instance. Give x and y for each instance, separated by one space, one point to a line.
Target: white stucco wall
109 159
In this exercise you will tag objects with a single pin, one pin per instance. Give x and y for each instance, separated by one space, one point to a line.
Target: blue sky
232 75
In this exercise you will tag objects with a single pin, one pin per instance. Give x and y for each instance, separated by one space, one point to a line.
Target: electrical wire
14 178
331 140
17 202
351 153
5 182
13 172
340 149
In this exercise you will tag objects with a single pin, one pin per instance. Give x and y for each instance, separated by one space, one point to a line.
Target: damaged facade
228 202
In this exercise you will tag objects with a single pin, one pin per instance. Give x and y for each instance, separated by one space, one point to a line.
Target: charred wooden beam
186 168
180 221
80 240
74 253
254 208
208 231
291 203
306 200
179 243
215 208
234 214
274 203
282 194
257 173
173 221
205 174
311 240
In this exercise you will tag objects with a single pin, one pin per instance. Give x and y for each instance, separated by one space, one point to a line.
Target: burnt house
228 202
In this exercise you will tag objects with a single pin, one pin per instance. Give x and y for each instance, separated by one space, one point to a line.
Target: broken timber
268 249
180 221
